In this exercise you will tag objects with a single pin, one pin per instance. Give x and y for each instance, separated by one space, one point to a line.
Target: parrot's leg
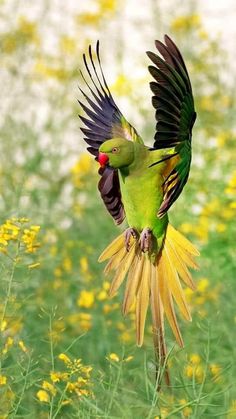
146 241
128 233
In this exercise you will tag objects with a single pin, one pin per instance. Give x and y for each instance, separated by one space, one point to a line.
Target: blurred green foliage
65 350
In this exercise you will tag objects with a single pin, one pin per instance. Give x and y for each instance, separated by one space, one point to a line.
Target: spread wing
175 115
103 121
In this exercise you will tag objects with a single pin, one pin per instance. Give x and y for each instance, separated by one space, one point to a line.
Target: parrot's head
116 153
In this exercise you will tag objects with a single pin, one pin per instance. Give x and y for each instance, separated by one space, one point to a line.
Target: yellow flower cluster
83 167
30 237
213 216
68 45
3 380
115 358
231 187
8 344
86 299
84 268
187 410
13 231
76 381
42 69
186 22
196 369
105 8
81 320
25 33
9 231
122 86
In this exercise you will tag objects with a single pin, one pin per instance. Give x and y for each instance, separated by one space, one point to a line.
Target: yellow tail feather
112 249
142 301
155 281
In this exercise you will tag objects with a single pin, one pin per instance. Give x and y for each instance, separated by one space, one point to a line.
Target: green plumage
141 184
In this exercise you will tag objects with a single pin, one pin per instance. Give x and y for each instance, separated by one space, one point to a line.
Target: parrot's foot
146 240
128 233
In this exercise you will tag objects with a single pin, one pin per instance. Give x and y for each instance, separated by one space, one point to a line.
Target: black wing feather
175 115
103 121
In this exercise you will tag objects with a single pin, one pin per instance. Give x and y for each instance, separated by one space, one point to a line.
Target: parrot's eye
115 150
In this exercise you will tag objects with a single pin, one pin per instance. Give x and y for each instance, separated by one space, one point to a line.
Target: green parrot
140 184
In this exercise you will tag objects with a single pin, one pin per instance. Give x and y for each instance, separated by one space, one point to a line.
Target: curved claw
130 232
146 241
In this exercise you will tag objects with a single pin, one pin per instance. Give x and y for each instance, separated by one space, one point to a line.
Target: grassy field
65 349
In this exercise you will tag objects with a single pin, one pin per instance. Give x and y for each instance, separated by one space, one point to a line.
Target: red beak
102 159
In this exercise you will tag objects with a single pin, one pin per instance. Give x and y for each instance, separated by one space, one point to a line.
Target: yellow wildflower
86 299
92 19
3 380
35 228
113 357
22 346
186 228
57 272
29 238
129 358
23 220
164 412
58 73
215 369
195 359
202 285
207 103
55 376
67 264
189 369
85 321
83 392
64 358
108 5
83 264
220 227
86 370
222 138
106 285
121 86
50 387
67 45
83 167
203 34
186 22
27 29
120 326
194 371
231 414
3 325
231 188
70 387
34 265
187 410
66 402
43 396
102 295
107 308
8 344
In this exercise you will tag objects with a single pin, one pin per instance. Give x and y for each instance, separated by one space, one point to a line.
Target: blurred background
65 349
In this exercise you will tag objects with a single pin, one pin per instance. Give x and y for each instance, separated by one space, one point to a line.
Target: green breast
142 195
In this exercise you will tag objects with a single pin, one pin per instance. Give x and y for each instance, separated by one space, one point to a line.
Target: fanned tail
157 282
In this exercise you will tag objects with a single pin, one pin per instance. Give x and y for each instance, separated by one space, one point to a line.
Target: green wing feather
175 115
